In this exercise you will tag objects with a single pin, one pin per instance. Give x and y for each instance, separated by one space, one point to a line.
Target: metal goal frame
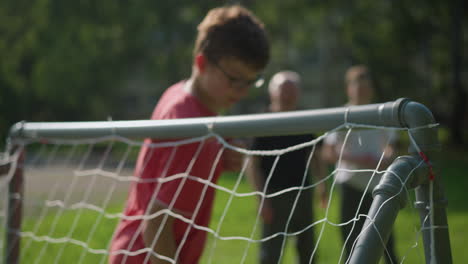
402 113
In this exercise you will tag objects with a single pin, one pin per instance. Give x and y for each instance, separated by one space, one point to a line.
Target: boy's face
226 82
360 91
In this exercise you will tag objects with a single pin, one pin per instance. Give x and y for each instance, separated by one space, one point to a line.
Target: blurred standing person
363 150
284 92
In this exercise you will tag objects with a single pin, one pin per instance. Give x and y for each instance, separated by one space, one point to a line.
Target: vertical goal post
402 113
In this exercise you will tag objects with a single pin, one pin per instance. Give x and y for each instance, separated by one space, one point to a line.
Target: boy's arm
166 242
232 160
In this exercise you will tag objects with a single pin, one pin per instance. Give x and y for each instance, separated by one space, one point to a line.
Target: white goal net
75 191
87 192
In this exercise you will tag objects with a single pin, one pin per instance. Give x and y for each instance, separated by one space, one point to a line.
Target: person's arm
331 155
318 170
328 153
254 176
232 160
390 153
165 245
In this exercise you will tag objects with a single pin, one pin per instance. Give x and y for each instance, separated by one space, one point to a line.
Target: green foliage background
74 60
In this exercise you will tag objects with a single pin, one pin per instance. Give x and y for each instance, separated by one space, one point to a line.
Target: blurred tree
69 61
87 60
414 48
459 110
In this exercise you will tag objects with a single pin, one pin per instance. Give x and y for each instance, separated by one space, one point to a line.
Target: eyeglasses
239 82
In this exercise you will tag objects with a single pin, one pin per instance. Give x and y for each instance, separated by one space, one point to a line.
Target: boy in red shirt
230 52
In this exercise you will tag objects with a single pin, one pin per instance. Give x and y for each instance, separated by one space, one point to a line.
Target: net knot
112 128
346 113
210 128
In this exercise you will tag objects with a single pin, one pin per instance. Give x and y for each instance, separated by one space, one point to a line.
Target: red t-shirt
163 162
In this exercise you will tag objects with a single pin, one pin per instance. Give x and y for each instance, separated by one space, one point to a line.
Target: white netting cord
431 198
116 175
304 178
127 252
50 158
357 215
87 195
197 208
176 195
372 220
52 193
60 212
226 208
257 216
106 202
12 158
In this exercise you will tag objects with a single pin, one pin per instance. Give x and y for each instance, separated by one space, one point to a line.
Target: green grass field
240 220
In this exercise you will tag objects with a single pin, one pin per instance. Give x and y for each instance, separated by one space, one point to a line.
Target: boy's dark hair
233 31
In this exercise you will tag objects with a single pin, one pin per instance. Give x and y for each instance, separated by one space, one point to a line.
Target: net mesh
75 192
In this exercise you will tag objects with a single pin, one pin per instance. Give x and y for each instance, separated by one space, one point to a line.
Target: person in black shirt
290 175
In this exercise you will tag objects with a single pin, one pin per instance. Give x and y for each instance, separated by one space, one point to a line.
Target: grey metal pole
389 197
268 124
14 213
436 245
383 211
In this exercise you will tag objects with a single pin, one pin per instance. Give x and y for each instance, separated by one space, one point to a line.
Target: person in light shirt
363 149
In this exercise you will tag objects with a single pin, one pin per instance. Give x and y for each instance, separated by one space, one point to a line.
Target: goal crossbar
268 124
